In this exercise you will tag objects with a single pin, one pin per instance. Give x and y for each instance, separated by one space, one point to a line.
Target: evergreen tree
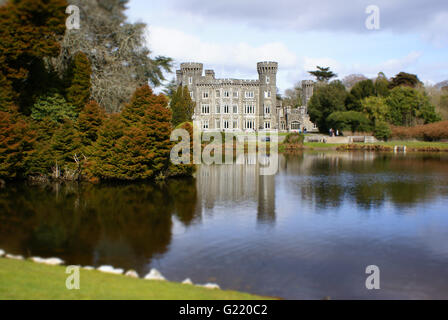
408 107
16 144
6 93
375 108
182 106
323 74
327 99
107 157
136 145
65 144
405 79
184 170
41 160
29 32
54 107
79 74
382 85
117 50
89 122
349 120
360 91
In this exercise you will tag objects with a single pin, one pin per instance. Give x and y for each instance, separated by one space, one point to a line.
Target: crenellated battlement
267 67
191 66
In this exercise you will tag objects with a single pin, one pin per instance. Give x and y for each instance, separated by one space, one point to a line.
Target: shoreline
28 280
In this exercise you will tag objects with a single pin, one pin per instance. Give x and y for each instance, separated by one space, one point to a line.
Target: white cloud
438 30
397 65
239 59
242 56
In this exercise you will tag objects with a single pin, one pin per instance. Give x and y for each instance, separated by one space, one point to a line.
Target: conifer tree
16 144
79 74
184 170
29 32
182 106
89 122
53 107
323 74
65 144
136 145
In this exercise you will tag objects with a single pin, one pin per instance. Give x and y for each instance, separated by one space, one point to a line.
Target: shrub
382 131
430 132
408 107
295 138
55 107
349 120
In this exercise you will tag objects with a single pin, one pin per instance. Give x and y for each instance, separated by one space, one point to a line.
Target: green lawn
415 144
30 281
409 144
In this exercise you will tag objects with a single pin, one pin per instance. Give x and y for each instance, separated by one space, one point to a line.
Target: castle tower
189 74
307 92
267 74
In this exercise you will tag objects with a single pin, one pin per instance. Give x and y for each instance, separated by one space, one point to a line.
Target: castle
243 105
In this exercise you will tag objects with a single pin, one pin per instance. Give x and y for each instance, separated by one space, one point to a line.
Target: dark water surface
307 233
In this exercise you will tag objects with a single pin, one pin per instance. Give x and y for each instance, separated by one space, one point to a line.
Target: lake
307 233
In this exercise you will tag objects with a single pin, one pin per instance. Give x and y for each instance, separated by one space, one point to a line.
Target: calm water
307 233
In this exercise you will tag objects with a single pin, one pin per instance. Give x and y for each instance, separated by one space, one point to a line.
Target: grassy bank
31 281
411 145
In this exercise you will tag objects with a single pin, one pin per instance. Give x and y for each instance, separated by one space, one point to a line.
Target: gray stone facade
243 105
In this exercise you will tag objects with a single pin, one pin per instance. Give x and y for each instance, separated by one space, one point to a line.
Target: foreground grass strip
30 281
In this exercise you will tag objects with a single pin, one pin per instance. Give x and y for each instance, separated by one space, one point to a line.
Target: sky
231 36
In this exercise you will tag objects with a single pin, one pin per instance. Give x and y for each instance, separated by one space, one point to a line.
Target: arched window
295 125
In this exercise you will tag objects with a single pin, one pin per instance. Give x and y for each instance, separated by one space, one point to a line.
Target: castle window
218 109
249 124
249 109
205 109
235 124
205 124
283 125
190 80
218 93
226 124
267 109
226 108
267 94
235 108
235 94
191 95
226 94
268 80
249 94
218 124
267 125
295 126
205 95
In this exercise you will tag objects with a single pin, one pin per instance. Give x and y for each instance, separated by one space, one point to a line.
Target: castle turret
267 73
209 74
307 92
189 73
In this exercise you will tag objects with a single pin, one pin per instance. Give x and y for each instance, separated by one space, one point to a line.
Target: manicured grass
24 280
409 144
415 144
322 145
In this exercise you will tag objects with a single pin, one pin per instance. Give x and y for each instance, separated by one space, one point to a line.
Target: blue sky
231 36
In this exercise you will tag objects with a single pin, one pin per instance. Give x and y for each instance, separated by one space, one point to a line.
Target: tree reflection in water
123 225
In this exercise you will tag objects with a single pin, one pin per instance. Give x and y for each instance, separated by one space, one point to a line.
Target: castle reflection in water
230 185
240 183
